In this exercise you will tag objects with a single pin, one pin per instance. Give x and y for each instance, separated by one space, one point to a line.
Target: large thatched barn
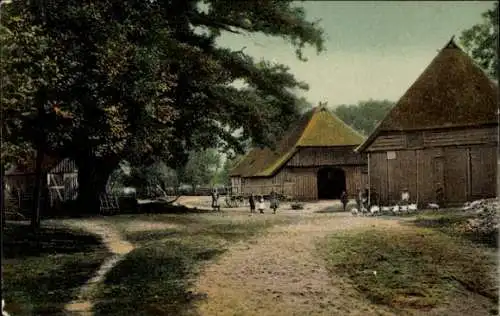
440 140
314 160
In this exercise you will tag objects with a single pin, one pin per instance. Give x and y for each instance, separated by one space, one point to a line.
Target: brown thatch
451 92
317 128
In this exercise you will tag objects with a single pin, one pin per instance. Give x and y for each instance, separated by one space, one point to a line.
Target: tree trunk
2 198
93 176
37 190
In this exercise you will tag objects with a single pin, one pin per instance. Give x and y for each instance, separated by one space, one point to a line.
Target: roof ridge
451 44
471 88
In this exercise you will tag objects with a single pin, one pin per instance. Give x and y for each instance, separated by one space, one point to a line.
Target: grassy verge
415 268
453 224
42 274
155 279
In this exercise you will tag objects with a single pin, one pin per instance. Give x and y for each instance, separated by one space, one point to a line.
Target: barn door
438 179
482 162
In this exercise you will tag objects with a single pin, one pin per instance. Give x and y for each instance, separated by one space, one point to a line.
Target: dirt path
116 245
281 273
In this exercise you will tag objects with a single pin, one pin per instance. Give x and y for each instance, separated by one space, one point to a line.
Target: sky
374 49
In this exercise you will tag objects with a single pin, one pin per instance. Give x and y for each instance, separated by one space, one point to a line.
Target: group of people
361 199
253 201
257 202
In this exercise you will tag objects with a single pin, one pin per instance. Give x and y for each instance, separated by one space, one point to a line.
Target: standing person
344 199
274 201
359 199
215 200
251 201
261 204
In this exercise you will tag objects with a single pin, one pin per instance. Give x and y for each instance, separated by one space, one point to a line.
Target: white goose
395 209
354 211
433 206
374 209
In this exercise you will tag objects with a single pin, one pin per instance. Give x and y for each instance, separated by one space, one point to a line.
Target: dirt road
282 273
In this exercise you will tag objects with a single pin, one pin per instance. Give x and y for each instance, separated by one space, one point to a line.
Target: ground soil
282 273
278 273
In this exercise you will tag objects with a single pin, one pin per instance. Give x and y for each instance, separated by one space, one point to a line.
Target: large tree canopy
365 115
481 41
104 81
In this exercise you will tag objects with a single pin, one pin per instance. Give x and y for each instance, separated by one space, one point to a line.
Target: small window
414 140
391 155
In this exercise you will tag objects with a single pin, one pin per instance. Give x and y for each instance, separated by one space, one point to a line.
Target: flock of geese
410 208
389 210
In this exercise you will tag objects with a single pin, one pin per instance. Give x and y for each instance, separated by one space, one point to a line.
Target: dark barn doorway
331 183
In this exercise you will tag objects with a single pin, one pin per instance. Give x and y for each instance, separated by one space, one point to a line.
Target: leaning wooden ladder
109 203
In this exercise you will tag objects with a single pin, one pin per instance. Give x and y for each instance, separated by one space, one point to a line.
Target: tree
365 115
223 174
152 178
201 168
108 81
481 40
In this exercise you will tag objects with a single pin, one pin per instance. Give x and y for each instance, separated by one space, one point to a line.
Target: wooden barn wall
306 185
464 173
456 174
356 179
434 138
326 156
460 137
301 183
236 185
483 165
281 183
388 142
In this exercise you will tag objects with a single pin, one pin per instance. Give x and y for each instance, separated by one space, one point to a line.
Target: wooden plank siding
456 174
464 173
434 138
327 156
483 169
460 137
302 183
463 162
388 142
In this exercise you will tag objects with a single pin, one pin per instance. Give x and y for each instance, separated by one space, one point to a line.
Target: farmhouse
314 160
439 141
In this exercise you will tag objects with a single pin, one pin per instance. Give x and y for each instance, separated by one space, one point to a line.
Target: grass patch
415 268
453 224
155 278
42 274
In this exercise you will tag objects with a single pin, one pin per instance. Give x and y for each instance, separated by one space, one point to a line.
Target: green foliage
121 72
107 81
201 168
481 41
365 115
222 177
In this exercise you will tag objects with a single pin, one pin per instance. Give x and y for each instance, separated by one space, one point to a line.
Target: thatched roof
317 128
451 92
